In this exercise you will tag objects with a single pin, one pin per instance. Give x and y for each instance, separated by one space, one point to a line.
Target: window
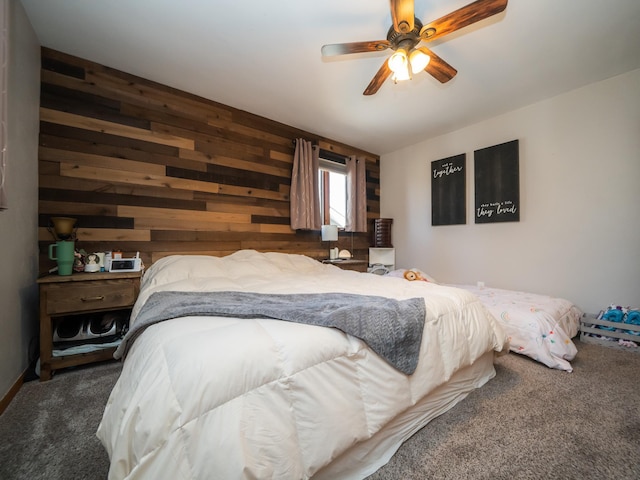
332 180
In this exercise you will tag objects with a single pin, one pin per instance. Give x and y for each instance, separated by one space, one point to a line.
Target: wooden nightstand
351 264
78 294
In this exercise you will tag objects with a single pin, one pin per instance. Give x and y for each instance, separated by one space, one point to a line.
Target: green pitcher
64 256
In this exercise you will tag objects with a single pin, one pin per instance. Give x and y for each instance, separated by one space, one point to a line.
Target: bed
204 396
538 326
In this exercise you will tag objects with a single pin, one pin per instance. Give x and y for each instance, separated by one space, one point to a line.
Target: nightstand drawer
89 296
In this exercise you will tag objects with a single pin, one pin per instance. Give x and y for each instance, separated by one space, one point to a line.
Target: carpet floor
530 422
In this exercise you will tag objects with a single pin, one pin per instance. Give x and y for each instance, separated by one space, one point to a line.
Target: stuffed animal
412 275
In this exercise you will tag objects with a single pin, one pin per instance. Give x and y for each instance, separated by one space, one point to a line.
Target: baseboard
13 391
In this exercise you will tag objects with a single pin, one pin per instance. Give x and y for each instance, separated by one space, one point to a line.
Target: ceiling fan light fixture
401 76
418 60
398 61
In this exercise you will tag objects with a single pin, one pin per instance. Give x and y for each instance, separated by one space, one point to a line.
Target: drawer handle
97 298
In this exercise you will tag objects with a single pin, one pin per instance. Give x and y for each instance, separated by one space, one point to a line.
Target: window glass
337 199
333 193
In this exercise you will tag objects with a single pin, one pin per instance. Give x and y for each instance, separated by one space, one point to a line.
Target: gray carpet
529 422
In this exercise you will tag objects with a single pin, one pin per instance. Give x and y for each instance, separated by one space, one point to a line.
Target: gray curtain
356 195
305 196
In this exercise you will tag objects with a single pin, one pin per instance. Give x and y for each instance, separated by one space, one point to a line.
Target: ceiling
264 57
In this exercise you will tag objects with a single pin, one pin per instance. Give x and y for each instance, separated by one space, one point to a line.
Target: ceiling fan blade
402 14
378 79
355 47
437 67
472 13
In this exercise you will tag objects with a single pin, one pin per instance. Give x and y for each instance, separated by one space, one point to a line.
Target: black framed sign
448 191
497 183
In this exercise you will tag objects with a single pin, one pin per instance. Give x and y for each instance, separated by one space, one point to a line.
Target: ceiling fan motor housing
405 40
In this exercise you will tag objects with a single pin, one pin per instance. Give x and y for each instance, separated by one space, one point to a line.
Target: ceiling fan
405 35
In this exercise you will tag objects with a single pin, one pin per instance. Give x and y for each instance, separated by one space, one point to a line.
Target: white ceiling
264 57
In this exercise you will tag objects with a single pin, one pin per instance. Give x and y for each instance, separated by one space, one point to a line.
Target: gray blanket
391 328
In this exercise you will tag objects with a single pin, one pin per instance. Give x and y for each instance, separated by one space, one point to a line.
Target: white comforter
224 398
538 326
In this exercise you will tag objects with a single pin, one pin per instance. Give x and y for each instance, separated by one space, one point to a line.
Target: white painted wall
19 224
579 230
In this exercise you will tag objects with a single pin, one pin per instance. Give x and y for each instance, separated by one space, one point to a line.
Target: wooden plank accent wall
151 169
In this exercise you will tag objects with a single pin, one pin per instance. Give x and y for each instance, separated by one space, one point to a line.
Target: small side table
78 294
350 264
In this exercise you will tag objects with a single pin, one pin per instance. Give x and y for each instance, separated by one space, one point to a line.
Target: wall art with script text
448 191
497 183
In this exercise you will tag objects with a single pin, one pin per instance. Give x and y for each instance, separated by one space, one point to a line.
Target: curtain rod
293 142
327 154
